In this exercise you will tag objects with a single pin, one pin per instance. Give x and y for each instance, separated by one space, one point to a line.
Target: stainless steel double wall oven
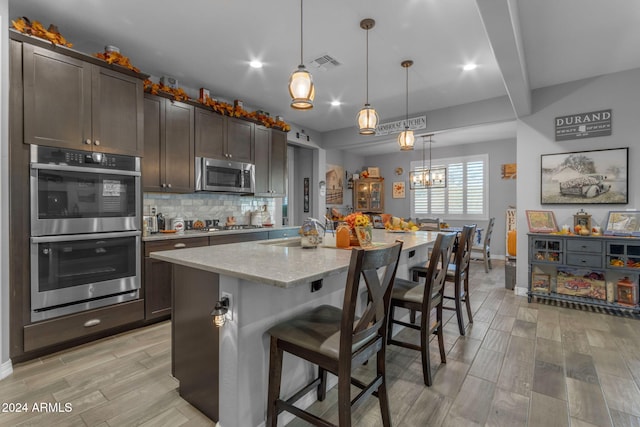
85 230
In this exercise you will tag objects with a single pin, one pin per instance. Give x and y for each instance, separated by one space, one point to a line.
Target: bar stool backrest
367 264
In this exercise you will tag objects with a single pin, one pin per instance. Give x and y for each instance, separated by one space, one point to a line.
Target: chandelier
427 178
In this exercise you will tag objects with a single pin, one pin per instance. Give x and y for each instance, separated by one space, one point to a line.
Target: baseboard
520 291
6 369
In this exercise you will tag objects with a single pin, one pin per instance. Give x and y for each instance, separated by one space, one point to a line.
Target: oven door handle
77 237
46 166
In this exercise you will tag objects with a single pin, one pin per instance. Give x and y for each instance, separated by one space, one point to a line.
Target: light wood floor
520 364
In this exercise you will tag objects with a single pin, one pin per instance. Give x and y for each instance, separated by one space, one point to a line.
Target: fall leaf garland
116 58
219 107
35 28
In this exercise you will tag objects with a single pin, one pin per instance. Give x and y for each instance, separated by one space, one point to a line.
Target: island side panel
195 341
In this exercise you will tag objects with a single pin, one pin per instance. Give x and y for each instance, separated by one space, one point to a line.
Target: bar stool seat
338 341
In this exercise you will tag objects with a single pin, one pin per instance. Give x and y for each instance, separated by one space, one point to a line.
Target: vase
364 235
353 238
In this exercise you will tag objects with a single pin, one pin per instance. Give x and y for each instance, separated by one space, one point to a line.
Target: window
465 196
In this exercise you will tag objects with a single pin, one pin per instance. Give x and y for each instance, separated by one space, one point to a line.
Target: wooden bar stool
458 274
338 341
427 299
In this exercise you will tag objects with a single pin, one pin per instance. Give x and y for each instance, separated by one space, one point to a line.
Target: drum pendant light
406 138
367 117
301 87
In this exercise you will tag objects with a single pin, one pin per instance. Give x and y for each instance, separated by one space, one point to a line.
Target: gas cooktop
239 227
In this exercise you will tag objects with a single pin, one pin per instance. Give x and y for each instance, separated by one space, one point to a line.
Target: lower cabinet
595 271
157 275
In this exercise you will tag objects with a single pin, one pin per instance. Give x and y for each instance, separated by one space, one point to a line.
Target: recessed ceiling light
336 103
255 64
470 66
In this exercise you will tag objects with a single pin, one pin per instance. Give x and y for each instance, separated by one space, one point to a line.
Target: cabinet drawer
237 238
170 244
576 245
584 260
78 325
280 234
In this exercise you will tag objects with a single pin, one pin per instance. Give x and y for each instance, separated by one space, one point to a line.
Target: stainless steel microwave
224 176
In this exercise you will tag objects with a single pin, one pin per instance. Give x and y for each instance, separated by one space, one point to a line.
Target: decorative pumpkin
511 242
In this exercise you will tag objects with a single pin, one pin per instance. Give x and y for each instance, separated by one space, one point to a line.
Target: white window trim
444 162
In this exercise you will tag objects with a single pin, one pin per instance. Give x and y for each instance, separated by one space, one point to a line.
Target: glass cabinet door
376 196
362 196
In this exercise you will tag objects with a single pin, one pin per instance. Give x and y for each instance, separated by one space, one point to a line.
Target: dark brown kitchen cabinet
157 275
239 140
168 164
210 134
222 137
271 162
72 103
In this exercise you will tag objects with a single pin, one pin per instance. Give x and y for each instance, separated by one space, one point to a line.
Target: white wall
535 136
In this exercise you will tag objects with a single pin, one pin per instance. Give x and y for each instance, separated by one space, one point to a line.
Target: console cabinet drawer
55 331
584 260
577 245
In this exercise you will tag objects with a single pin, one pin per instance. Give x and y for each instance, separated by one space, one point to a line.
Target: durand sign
583 125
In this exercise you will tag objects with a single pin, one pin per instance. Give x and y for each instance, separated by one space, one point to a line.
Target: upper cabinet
168 163
76 104
271 162
222 137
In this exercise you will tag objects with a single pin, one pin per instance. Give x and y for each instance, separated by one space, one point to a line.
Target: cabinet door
240 134
57 99
278 163
178 149
262 155
117 112
157 288
361 196
376 194
209 134
153 122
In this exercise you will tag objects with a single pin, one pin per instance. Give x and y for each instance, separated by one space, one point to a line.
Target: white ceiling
209 43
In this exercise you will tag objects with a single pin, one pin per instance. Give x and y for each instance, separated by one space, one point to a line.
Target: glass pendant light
301 88
367 117
427 178
406 138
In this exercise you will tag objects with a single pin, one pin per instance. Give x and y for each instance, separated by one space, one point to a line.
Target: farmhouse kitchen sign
583 125
415 123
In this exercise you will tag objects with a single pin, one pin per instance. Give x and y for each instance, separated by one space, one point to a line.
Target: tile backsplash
206 206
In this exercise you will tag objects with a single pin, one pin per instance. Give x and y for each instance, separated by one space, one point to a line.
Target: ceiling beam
500 19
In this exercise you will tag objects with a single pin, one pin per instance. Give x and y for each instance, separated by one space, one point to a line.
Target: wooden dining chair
457 274
338 341
484 248
425 298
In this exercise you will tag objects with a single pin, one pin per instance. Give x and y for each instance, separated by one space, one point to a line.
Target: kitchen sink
290 243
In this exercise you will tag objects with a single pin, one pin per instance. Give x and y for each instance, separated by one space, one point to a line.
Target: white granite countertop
194 233
268 263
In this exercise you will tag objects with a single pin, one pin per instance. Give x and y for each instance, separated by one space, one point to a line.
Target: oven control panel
58 156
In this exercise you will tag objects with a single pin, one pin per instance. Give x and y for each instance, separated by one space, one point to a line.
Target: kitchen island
224 372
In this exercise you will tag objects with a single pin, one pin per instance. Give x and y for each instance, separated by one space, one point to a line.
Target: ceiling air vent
325 62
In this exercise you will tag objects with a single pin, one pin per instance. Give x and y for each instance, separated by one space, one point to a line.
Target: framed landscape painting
585 177
541 222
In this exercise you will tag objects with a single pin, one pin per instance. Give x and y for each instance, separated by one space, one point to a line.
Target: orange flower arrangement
357 219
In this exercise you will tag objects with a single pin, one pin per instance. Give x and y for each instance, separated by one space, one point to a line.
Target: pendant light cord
301 63
406 124
367 73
